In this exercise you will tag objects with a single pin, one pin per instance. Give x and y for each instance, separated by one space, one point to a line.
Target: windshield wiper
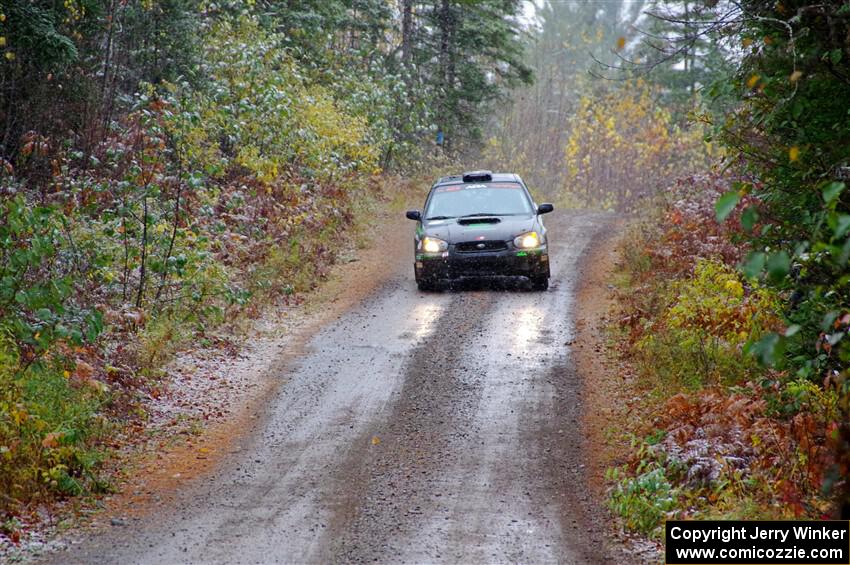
440 218
484 215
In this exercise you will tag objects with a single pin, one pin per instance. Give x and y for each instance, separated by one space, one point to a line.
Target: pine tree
468 54
677 53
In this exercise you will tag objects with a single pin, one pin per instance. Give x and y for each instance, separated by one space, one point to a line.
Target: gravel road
417 428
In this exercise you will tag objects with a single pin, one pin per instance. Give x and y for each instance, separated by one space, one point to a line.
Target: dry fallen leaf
83 371
376 440
51 440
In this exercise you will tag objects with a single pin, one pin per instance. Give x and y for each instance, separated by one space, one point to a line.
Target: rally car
480 224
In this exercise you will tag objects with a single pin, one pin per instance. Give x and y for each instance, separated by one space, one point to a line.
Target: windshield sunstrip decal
458 187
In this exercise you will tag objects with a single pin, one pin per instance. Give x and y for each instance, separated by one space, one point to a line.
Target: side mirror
413 215
545 208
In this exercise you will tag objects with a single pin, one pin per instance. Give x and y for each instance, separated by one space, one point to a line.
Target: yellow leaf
794 153
621 43
66 374
735 288
747 42
795 76
376 440
2 41
19 416
10 56
753 81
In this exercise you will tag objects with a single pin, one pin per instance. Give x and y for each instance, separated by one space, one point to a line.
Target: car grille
480 246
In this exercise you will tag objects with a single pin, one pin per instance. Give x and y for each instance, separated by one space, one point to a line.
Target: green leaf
835 56
749 218
828 319
842 226
792 330
44 314
768 350
725 205
94 325
845 253
778 265
832 191
754 264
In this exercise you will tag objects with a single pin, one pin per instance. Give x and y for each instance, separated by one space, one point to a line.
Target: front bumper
508 262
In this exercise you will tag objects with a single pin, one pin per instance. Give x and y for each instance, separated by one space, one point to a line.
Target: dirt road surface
416 428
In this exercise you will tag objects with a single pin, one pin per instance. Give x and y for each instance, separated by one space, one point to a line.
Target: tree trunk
107 63
407 33
445 21
143 265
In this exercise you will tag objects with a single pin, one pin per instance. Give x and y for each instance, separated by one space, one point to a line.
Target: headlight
432 245
527 240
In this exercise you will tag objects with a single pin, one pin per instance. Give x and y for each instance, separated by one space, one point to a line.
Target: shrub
699 337
644 500
50 424
260 113
38 281
622 147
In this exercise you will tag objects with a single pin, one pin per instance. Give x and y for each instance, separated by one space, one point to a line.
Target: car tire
539 283
426 286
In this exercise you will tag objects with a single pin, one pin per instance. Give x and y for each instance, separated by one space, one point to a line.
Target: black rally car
480 224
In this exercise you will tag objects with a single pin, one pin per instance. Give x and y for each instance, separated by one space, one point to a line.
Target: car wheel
540 283
426 286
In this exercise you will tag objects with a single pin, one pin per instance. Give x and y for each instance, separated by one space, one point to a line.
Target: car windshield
493 199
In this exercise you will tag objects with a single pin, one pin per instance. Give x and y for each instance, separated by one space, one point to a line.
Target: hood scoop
478 220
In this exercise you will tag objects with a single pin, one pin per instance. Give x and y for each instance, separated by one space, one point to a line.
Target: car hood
458 230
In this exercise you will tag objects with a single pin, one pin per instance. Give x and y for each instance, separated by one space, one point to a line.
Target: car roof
497 177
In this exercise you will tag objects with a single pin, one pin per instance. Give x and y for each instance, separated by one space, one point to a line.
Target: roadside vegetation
170 166
736 308
722 434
